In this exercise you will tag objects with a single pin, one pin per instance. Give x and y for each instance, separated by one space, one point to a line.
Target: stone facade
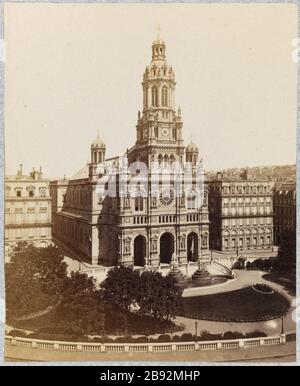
145 228
284 205
27 210
241 214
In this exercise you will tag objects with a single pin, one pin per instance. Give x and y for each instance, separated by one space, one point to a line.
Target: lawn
243 305
114 324
287 280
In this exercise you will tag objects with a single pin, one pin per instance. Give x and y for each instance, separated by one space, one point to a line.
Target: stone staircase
216 268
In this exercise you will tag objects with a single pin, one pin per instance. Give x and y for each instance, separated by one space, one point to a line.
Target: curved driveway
243 279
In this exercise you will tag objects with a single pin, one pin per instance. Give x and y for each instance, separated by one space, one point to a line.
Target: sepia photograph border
2 161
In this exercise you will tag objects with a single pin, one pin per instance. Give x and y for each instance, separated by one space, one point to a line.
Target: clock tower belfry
159 126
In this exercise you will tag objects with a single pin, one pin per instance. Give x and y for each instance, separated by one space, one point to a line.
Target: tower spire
158 124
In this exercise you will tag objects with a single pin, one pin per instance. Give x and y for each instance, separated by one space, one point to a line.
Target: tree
34 279
120 288
158 296
81 307
148 294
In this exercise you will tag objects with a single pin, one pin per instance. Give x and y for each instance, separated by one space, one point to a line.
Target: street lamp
282 329
196 330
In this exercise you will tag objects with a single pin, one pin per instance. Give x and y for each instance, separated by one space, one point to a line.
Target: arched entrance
192 247
139 251
166 248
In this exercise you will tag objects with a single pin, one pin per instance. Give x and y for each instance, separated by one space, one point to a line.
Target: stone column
159 96
199 245
95 245
149 97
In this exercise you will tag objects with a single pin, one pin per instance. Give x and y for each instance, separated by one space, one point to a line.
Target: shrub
176 338
187 337
142 339
123 339
255 334
18 333
263 288
163 338
232 335
206 335
103 339
59 337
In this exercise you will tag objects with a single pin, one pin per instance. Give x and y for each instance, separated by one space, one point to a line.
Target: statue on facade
153 201
151 114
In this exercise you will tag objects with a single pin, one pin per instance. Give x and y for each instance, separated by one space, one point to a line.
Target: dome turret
98 143
191 153
98 151
192 148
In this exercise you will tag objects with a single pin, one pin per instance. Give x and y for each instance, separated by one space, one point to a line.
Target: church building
160 203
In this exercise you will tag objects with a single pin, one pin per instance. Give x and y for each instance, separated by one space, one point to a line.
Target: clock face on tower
165 132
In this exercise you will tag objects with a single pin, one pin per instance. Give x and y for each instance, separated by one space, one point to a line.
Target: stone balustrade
150 347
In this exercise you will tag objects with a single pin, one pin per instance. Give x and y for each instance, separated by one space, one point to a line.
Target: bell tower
97 151
97 156
191 153
159 125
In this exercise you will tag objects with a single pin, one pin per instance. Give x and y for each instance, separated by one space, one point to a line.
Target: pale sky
75 69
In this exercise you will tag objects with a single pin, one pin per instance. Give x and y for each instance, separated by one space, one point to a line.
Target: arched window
154 96
139 203
191 199
146 96
164 96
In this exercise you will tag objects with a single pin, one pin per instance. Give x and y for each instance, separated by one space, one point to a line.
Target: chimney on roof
20 171
219 176
35 174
